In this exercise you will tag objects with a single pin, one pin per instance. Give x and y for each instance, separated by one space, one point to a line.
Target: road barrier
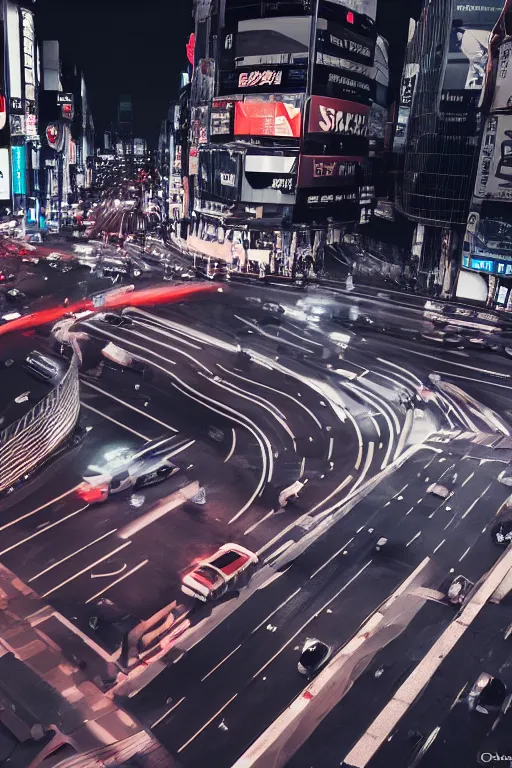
28 442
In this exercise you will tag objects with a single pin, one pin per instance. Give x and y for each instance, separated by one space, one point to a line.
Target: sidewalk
46 688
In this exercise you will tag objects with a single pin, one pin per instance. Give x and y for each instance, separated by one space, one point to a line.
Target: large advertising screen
326 171
502 97
219 173
482 13
340 41
221 118
339 83
337 116
270 179
268 41
467 58
267 79
267 118
494 174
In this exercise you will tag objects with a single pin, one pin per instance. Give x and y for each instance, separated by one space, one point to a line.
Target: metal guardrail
30 440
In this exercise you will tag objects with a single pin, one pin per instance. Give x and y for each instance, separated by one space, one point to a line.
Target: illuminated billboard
19 170
326 171
365 7
483 13
502 97
264 79
494 174
336 116
267 118
269 41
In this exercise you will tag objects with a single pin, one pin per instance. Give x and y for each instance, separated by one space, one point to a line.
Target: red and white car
219 573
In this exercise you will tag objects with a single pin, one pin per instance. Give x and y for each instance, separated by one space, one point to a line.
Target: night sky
138 47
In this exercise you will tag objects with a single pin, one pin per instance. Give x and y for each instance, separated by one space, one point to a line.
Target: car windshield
207 576
313 655
228 561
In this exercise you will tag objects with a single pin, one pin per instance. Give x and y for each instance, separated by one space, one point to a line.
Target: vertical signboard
19 170
5 175
29 65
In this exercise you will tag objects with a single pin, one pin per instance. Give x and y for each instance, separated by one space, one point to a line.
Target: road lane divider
128 405
68 557
117 581
279 742
39 509
86 569
43 530
114 421
162 508
388 719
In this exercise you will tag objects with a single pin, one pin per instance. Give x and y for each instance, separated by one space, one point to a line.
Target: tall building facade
486 269
19 133
438 130
280 102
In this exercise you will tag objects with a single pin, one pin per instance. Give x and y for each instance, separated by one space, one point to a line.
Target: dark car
315 654
487 695
111 318
501 532
15 295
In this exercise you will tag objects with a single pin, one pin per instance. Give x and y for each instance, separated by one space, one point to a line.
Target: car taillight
90 495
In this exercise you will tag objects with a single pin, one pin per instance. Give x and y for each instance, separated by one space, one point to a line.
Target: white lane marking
365 396
459 413
119 424
332 558
221 663
460 365
403 388
467 479
168 346
110 573
128 405
280 550
87 568
154 327
412 376
68 557
331 446
273 613
206 401
113 583
439 546
367 464
375 423
466 513
302 467
302 338
272 389
469 378
312 618
166 714
196 734
277 339
188 332
43 506
252 398
253 527
464 555
413 539
399 493
409 512
43 530
233 446
340 487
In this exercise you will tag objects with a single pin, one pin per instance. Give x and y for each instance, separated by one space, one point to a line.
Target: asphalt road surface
259 388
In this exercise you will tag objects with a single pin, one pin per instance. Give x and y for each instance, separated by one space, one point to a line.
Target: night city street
255 384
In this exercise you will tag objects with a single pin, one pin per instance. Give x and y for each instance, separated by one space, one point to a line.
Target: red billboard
267 118
338 117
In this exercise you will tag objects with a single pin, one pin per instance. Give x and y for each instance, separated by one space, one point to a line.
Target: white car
216 575
126 469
